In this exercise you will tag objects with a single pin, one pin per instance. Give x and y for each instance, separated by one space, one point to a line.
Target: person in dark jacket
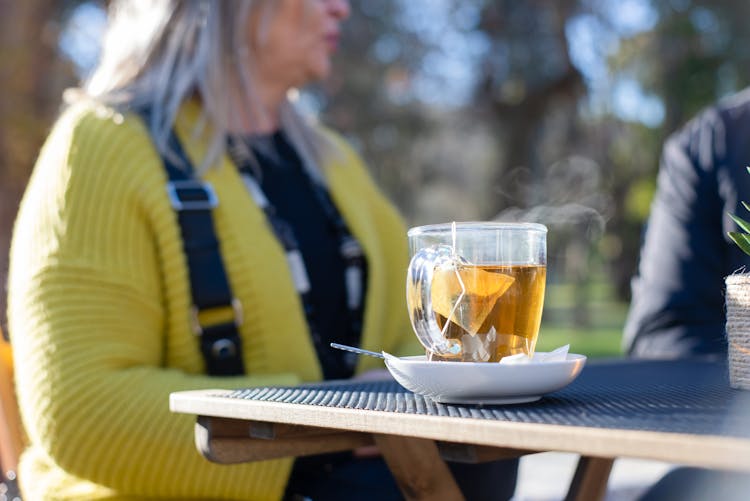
677 309
678 294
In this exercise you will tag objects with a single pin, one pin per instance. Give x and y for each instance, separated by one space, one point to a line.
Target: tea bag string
455 259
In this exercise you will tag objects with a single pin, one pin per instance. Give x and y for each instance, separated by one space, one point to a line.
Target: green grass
594 343
602 335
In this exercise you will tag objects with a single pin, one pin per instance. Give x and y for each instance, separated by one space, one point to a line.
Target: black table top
683 396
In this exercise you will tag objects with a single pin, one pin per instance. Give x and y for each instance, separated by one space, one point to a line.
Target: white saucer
483 382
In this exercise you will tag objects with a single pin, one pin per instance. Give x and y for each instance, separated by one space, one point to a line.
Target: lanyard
350 251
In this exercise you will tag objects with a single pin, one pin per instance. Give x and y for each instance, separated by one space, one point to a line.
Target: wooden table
675 411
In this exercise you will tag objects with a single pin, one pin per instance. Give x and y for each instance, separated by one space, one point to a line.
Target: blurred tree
530 111
491 152
697 52
369 97
526 76
31 81
530 91
470 109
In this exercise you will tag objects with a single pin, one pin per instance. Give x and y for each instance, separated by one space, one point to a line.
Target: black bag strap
193 200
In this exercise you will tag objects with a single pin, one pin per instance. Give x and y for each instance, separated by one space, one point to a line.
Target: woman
678 307
106 292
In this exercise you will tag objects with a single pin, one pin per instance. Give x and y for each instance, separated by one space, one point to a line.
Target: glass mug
475 291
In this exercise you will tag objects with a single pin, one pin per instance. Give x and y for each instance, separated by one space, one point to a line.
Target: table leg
590 480
418 468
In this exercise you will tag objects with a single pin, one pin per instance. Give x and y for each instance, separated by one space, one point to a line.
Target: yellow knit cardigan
99 311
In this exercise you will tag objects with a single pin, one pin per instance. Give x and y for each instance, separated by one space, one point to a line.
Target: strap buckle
191 194
237 315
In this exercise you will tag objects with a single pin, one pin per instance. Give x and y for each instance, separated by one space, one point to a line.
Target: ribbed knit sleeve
88 315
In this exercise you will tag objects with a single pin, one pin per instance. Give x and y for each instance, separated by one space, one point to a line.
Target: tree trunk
31 80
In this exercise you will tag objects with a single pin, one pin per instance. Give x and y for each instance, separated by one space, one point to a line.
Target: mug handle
419 297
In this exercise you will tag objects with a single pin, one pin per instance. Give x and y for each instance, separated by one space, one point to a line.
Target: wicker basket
738 329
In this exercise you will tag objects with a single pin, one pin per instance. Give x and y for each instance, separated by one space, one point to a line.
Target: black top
287 186
678 295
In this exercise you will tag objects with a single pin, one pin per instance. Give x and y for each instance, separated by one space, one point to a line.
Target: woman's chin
320 70
314 73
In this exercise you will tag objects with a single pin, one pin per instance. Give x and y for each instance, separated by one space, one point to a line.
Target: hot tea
492 310
475 290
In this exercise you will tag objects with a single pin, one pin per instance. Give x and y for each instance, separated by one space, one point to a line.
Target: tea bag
466 294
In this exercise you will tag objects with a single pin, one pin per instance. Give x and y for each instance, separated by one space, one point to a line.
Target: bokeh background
551 111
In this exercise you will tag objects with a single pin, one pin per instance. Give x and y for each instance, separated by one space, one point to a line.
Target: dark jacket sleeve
678 294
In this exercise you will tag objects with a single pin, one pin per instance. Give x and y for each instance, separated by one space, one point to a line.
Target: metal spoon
357 350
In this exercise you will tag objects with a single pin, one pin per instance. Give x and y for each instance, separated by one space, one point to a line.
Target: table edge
709 451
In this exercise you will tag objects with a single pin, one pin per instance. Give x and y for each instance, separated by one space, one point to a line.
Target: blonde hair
159 53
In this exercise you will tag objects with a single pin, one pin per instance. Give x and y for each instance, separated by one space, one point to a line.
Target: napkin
556 355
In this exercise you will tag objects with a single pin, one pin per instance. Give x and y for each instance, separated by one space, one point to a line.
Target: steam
571 217
575 201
